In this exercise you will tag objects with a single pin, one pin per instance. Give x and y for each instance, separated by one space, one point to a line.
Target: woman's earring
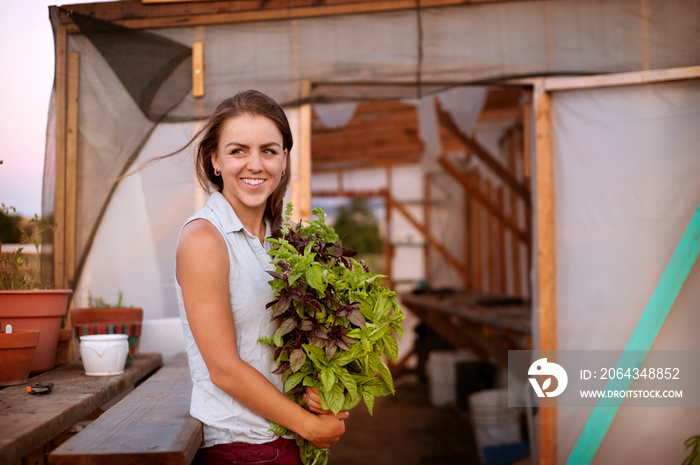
284 172
217 172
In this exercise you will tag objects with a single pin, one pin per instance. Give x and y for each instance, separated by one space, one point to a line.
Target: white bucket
104 354
442 372
494 423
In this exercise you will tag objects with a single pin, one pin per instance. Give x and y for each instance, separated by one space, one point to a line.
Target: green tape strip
642 338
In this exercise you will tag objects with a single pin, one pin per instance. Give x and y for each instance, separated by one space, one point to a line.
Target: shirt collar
227 215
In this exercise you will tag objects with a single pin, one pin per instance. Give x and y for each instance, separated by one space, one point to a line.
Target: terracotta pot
120 320
17 354
37 309
64 337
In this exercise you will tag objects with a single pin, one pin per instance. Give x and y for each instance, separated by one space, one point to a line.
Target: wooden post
491 239
301 182
527 126
388 244
59 249
477 235
71 170
514 210
427 212
546 257
198 69
467 237
501 246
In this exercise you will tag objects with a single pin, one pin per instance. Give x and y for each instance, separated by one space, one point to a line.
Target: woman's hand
330 422
313 401
327 429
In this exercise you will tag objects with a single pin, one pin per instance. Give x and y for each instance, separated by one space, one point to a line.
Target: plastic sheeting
396 54
626 180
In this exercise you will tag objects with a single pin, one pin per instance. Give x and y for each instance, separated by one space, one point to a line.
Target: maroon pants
280 452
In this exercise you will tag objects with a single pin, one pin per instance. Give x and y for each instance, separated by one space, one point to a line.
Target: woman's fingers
313 401
331 428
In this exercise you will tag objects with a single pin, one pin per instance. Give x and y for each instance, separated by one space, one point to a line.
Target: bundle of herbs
336 320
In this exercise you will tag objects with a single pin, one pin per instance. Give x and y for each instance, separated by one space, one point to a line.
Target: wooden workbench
489 326
152 425
29 421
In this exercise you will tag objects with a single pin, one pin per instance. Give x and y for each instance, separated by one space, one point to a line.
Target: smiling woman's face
251 159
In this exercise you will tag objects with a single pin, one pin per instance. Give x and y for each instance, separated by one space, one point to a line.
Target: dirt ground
406 430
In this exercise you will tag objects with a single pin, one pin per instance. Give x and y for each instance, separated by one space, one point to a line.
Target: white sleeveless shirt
225 420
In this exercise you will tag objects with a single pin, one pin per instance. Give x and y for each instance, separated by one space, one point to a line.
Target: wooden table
29 421
489 326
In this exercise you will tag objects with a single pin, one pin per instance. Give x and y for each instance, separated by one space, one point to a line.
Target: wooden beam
301 183
482 154
527 141
501 242
621 79
198 69
512 144
491 240
178 14
71 171
61 80
428 215
467 238
476 222
484 199
463 271
320 166
546 258
388 244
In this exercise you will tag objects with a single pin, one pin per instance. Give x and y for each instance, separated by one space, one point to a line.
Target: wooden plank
61 80
388 243
546 258
301 185
177 14
29 421
491 241
476 235
151 425
467 238
480 152
198 69
621 79
71 170
501 248
514 216
428 216
527 141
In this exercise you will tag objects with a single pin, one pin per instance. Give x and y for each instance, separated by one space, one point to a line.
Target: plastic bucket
493 422
442 372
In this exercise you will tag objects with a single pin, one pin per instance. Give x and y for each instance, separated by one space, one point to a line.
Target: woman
222 283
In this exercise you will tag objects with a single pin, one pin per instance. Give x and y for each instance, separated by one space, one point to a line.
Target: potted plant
101 317
27 302
17 348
